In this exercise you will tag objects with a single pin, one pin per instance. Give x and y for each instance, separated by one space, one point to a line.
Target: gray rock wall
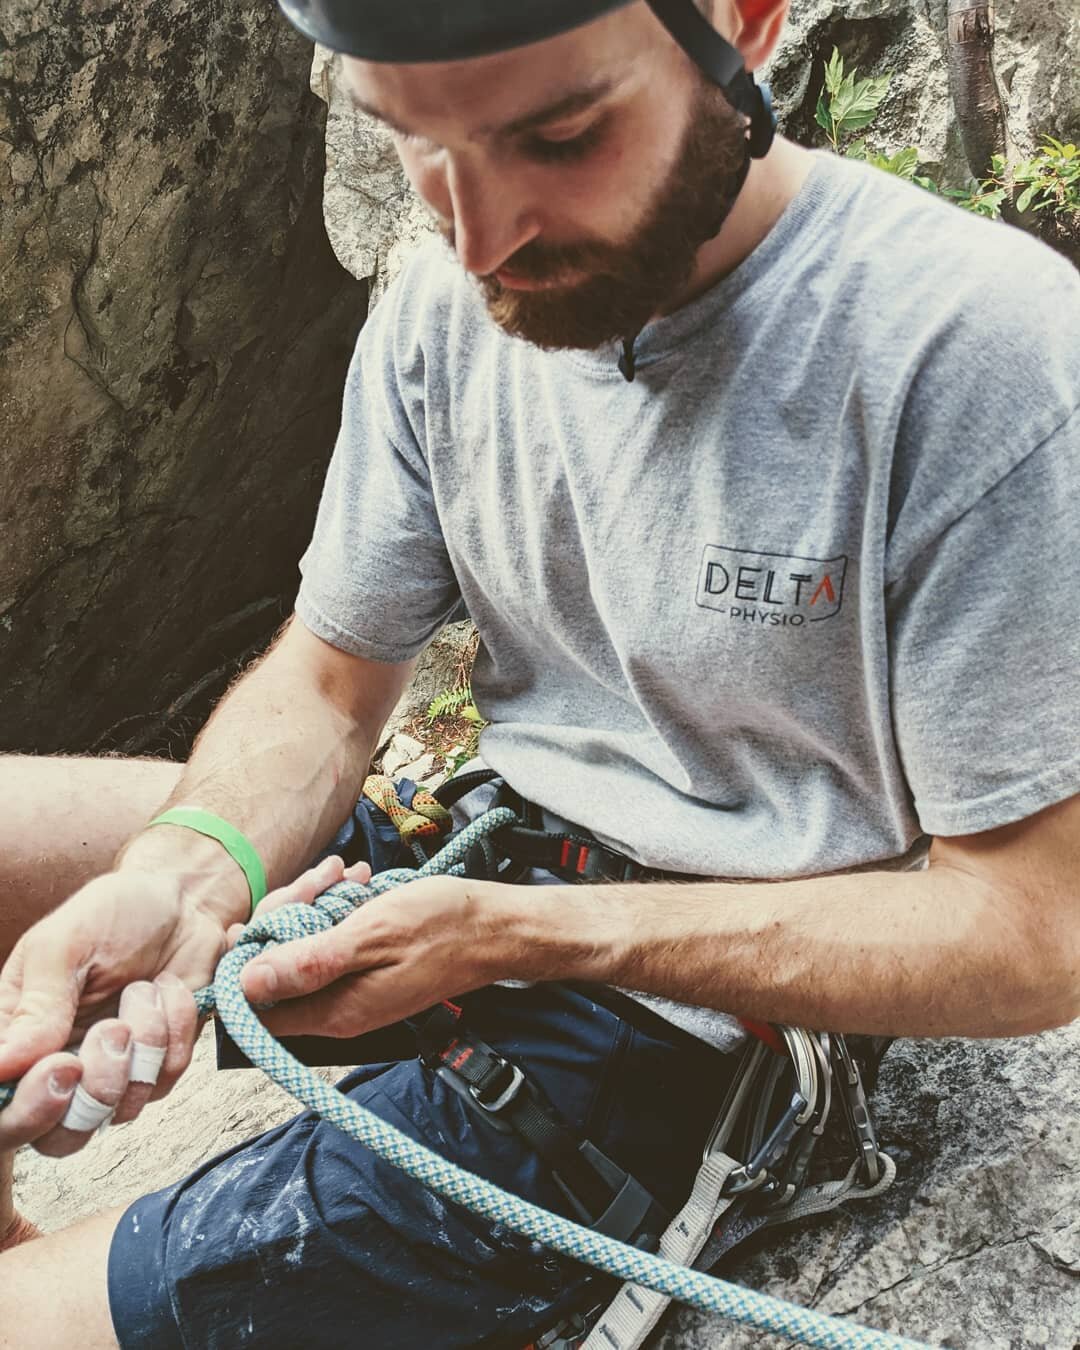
174 331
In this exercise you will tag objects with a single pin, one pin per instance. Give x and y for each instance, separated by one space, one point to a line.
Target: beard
626 284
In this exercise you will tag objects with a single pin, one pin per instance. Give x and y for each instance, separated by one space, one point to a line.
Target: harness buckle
506 1096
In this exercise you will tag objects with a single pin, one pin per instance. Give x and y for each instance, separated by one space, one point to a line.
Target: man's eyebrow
577 101
379 116
567 106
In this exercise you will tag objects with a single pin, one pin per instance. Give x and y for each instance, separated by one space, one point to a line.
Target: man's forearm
282 760
931 953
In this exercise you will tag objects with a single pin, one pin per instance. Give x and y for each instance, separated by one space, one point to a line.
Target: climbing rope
454 1183
425 818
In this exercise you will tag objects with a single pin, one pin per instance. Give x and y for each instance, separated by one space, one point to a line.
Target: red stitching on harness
582 859
564 857
463 1058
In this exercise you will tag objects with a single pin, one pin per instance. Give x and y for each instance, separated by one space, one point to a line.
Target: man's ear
756 28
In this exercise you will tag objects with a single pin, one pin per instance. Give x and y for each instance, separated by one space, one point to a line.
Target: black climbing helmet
451 30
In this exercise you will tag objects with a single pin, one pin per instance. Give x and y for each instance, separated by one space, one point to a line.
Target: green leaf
834 71
1024 200
990 203
821 115
842 100
856 150
470 712
904 163
927 183
450 700
870 93
857 106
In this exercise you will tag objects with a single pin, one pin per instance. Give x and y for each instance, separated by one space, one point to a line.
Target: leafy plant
459 700
847 104
1050 180
981 199
903 164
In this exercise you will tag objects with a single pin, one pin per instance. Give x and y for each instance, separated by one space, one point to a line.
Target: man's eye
565 147
408 138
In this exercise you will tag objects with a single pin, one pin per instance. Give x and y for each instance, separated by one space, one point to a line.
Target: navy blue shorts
301 1237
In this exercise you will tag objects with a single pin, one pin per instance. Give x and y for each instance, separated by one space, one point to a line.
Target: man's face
575 178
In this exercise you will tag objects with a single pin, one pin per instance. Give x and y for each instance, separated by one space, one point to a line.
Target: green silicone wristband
239 848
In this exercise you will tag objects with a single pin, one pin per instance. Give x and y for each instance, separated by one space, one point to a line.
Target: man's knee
54 1292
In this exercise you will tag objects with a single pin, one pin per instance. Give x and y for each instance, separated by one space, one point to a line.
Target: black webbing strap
575 855
722 64
602 1194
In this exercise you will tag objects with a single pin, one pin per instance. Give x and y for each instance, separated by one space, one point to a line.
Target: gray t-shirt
799 596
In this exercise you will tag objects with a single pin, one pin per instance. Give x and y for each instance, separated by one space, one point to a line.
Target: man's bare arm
985 942
282 759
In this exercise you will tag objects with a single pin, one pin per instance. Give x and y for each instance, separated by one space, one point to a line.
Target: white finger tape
146 1062
86 1113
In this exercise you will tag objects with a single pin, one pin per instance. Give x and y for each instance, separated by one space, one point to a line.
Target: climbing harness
730 1198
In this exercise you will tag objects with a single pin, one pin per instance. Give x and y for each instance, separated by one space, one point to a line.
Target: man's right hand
114 966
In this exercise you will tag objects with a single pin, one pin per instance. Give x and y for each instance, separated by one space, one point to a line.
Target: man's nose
491 219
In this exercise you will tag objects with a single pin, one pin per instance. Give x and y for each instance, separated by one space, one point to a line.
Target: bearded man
757 471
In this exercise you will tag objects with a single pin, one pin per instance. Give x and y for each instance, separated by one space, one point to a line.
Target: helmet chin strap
723 65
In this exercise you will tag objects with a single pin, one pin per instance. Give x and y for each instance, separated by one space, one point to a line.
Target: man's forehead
560 103
506 91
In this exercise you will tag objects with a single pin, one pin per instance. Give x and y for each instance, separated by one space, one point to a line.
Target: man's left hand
395 956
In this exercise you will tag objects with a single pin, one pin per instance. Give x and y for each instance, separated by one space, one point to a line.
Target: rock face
174 331
373 217
1034 53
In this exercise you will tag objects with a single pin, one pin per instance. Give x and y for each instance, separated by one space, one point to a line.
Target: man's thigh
303 1237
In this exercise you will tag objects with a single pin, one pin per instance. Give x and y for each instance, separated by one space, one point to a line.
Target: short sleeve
984 633
376 579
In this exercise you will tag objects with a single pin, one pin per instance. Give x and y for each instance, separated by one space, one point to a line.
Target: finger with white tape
146 1062
86 1113
141 1009
105 1061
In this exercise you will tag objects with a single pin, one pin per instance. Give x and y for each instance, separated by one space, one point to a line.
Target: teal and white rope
455 1183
